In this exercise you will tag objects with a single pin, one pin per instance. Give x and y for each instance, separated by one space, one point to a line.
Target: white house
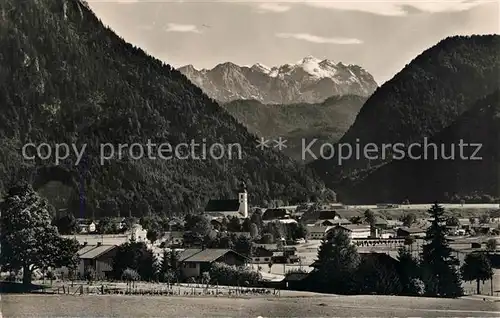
138 234
86 226
317 232
356 231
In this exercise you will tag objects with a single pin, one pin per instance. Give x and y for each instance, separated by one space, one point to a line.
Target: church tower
243 200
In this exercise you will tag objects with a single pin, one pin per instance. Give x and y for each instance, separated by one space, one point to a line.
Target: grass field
288 305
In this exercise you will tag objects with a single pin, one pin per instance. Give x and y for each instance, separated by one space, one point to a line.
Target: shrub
224 274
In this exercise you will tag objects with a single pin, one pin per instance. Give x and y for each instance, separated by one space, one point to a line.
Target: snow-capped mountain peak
316 67
261 68
308 80
308 59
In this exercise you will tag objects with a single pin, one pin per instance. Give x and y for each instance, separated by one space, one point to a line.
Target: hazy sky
380 36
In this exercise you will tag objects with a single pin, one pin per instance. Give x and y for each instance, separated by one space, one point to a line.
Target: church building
229 208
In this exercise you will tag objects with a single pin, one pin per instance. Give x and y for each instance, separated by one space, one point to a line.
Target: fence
163 290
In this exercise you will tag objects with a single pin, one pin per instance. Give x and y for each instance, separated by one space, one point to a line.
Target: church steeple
242 188
243 200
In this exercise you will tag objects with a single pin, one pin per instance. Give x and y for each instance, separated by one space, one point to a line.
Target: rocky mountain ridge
309 80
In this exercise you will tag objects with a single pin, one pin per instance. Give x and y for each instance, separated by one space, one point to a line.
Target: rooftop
223 206
85 249
355 227
187 253
412 229
272 214
210 255
97 251
327 215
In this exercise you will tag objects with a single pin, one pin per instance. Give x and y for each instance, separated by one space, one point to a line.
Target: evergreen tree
336 264
409 272
170 266
441 277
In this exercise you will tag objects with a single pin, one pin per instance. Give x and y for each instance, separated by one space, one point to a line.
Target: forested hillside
429 94
326 121
65 78
451 177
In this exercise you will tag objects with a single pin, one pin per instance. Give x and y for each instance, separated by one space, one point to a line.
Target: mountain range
66 78
426 97
309 80
473 175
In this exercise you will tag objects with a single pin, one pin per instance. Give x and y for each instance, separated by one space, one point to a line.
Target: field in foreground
286 306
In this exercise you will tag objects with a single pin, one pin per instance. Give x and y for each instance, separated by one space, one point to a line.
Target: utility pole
283 241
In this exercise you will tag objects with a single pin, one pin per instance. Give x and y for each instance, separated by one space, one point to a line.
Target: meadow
290 304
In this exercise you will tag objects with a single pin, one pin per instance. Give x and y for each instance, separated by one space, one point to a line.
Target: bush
89 274
224 274
130 275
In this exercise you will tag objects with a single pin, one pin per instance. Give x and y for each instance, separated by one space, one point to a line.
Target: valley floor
288 305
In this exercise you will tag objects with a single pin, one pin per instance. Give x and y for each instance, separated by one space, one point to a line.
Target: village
280 243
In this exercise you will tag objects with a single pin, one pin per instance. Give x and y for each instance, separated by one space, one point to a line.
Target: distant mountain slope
326 121
310 80
65 78
443 180
425 97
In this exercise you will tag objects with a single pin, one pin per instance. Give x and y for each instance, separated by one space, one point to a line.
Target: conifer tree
336 264
441 275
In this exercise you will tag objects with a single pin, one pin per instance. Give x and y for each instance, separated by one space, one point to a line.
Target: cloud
272 7
399 7
379 7
318 39
175 27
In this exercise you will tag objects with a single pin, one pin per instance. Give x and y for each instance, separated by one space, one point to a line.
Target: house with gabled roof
98 257
86 226
196 261
417 232
317 232
356 231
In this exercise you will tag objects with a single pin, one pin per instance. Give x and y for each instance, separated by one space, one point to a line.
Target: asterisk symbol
280 143
262 143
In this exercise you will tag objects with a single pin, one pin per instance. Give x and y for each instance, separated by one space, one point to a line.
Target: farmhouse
138 233
414 232
97 257
226 208
381 223
330 218
86 226
196 261
356 231
317 232
261 256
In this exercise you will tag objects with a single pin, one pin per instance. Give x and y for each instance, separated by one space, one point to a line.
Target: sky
380 36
